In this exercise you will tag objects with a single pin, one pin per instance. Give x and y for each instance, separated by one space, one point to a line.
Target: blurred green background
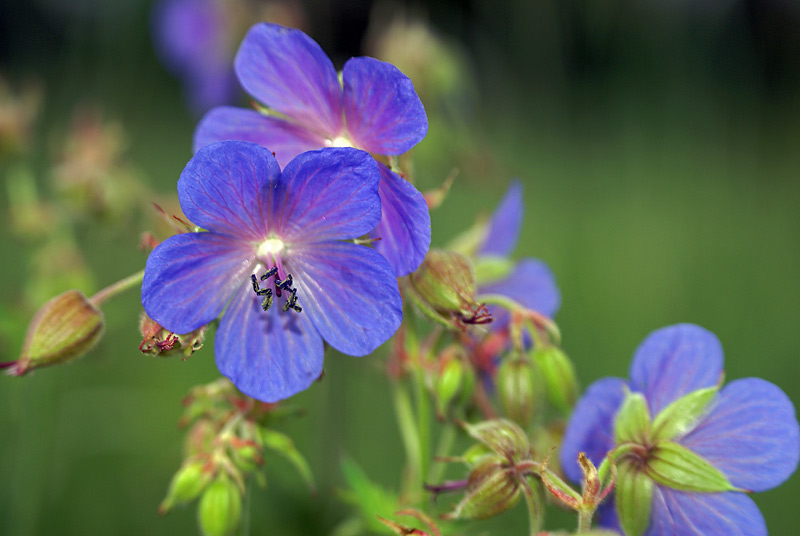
657 141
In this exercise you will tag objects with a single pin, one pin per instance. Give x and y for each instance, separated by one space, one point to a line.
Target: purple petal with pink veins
503 231
405 226
383 112
282 138
190 277
287 71
269 355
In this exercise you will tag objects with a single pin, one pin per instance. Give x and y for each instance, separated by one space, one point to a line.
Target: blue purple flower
742 437
299 221
374 108
530 282
191 38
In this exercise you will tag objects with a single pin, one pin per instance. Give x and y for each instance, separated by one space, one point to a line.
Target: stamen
285 285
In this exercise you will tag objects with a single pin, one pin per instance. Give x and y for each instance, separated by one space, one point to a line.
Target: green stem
424 415
408 432
585 520
116 288
538 318
446 439
533 501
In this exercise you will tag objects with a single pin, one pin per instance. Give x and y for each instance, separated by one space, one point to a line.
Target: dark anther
285 285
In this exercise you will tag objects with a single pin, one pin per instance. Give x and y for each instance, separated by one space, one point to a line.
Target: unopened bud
220 507
448 383
65 328
493 487
502 437
186 485
518 388
443 287
559 377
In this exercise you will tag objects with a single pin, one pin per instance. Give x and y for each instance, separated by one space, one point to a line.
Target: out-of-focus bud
65 328
449 380
199 438
443 287
434 198
220 507
493 487
160 342
519 389
246 454
187 484
502 437
559 377
283 445
18 109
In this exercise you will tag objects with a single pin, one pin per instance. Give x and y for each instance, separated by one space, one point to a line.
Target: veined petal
531 284
269 355
189 277
704 514
330 194
751 435
226 187
286 140
383 112
673 362
405 227
288 71
349 292
503 232
591 427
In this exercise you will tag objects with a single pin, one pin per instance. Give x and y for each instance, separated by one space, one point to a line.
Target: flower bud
492 488
187 484
220 507
559 377
502 437
65 328
518 388
443 287
448 383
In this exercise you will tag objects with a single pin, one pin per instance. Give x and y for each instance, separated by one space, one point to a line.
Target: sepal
681 416
677 467
633 420
634 498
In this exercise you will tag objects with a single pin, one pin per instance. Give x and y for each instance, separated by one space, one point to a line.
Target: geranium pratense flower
528 282
689 465
375 108
297 221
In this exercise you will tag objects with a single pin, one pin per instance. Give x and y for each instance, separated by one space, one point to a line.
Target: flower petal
673 362
704 514
405 227
531 284
503 232
349 292
330 194
288 71
268 355
285 140
189 277
225 188
383 112
591 427
751 435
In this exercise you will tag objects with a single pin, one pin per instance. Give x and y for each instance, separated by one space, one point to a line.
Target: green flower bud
634 497
559 377
673 465
493 487
502 437
65 328
187 484
220 507
633 420
519 389
443 287
448 383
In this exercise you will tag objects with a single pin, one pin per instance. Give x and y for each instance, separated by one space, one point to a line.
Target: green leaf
370 498
633 420
675 466
283 445
634 497
681 416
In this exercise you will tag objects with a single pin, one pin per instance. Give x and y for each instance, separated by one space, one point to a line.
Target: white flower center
269 248
339 141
